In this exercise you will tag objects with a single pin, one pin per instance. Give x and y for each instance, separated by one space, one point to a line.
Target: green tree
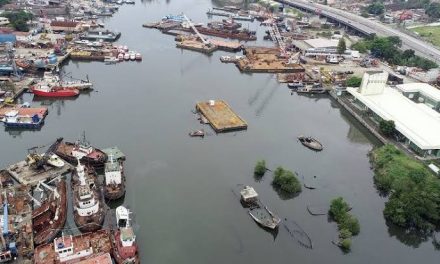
260 168
286 181
376 8
344 233
345 244
387 127
18 19
338 208
353 81
342 46
433 10
350 223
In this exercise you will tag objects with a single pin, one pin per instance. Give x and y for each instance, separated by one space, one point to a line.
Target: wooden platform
220 116
24 174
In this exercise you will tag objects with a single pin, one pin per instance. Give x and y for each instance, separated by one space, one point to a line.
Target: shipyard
143 131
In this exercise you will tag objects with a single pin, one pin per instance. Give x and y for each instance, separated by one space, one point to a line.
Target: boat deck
99 241
24 174
220 116
40 111
115 151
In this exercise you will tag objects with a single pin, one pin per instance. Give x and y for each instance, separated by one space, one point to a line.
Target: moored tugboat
50 217
82 150
88 210
114 179
124 245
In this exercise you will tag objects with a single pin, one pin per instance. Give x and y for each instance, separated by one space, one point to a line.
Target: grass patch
431 34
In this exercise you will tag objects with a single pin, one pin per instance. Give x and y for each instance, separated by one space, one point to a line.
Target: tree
338 208
286 181
260 168
433 10
342 46
387 127
18 19
345 244
376 8
353 81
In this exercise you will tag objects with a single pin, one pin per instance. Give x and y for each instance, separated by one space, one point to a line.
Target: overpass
367 27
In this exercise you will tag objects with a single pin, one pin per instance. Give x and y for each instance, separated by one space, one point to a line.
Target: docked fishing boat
114 179
314 89
197 133
311 143
124 245
12 119
88 210
44 89
295 85
138 57
110 60
82 150
55 81
104 35
230 59
50 217
126 56
259 212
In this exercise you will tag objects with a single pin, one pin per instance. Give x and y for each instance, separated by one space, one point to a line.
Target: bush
286 181
351 224
353 81
260 168
387 127
415 200
338 208
344 234
346 244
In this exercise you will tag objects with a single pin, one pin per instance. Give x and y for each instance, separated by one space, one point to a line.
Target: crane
205 41
37 160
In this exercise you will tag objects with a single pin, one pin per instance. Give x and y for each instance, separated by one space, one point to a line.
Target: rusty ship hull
45 223
89 223
64 150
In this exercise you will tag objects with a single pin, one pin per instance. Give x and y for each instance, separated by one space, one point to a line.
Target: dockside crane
190 23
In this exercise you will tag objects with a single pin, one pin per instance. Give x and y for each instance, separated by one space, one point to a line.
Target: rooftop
417 122
322 43
422 88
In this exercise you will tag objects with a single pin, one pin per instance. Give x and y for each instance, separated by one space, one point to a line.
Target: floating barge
196 45
24 174
220 116
266 60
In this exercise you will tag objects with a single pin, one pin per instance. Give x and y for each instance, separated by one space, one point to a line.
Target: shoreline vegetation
413 191
348 225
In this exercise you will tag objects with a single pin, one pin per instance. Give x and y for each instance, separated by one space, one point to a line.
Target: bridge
367 27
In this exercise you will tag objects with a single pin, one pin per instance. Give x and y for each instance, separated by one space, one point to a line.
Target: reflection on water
408 237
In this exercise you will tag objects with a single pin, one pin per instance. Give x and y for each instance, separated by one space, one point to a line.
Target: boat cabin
249 195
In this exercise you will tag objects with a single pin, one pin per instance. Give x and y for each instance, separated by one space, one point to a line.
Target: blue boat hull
21 125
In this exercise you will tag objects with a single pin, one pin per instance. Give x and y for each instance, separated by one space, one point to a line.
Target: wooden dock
220 116
26 175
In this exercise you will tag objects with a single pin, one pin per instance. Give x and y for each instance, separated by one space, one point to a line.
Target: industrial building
412 107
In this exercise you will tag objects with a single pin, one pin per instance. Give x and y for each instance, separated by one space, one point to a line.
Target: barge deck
26 175
220 115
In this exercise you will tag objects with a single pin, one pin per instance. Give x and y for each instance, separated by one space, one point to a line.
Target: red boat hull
56 92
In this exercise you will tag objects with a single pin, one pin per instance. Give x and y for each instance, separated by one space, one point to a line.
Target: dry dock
220 116
26 175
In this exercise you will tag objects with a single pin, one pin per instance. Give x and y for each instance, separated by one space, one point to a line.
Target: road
421 48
